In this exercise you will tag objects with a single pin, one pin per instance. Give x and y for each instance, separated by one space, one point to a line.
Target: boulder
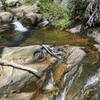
31 19
13 3
14 79
25 9
49 70
28 14
5 17
74 55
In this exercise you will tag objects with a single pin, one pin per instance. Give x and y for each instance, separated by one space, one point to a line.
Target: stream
86 76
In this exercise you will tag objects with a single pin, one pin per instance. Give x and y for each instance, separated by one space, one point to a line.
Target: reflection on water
41 36
55 37
20 39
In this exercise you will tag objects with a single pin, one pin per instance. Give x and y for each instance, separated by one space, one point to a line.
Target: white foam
19 27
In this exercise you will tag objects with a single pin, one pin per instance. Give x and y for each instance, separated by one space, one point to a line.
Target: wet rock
59 71
73 58
5 17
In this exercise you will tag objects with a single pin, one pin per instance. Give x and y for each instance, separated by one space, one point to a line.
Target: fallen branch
51 52
18 66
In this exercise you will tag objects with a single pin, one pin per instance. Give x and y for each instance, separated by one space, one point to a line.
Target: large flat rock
16 82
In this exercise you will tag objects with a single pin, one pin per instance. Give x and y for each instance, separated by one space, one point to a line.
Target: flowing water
56 37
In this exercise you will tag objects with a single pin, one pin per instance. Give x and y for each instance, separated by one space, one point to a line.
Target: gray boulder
74 55
5 17
28 14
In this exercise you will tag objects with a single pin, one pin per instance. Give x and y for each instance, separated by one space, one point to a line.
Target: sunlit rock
53 76
6 17
16 79
74 55
28 14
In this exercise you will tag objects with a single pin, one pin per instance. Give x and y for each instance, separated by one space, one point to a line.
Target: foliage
55 14
62 12
75 7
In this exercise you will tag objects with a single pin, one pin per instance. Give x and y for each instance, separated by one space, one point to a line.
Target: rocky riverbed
16 9
45 72
48 64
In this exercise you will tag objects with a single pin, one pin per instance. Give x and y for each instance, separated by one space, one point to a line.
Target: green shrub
76 8
55 14
61 14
